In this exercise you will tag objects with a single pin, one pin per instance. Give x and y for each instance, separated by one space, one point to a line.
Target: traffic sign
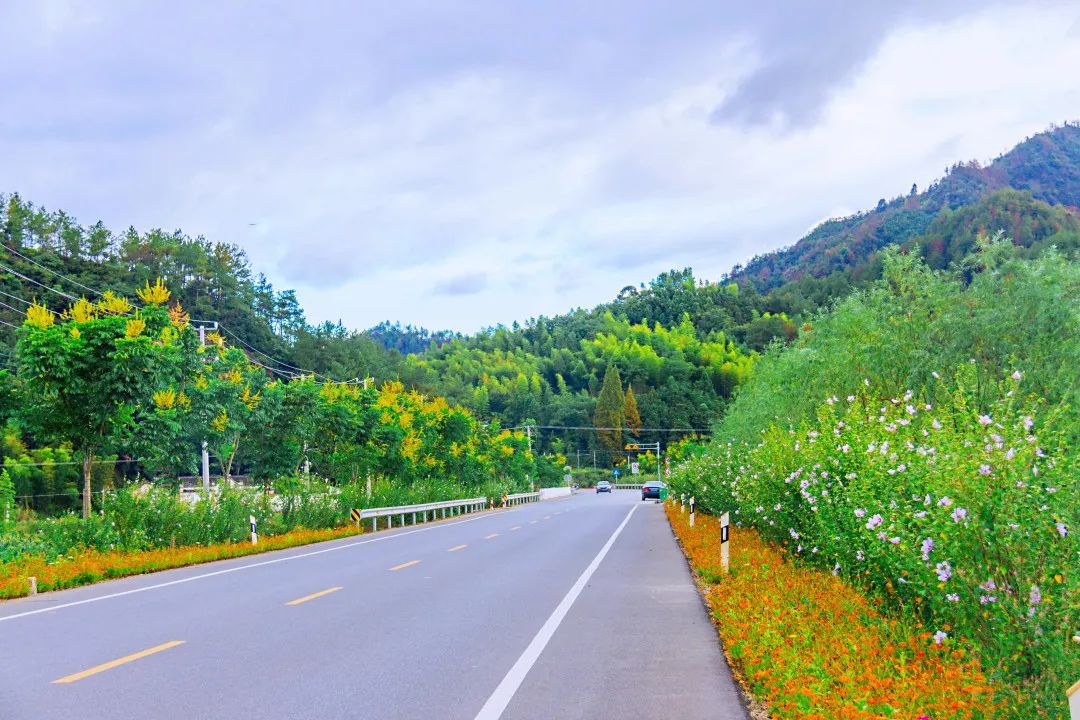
355 515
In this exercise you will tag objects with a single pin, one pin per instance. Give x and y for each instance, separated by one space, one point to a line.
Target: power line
49 270
98 293
16 297
29 279
612 429
233 335
5 322
10 307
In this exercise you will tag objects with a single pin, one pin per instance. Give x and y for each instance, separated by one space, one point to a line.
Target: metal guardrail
521 498
628 486
456 507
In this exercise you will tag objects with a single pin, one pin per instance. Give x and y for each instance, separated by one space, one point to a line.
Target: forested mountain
681 343
1046 166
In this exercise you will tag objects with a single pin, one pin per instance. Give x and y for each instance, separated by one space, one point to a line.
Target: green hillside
683 344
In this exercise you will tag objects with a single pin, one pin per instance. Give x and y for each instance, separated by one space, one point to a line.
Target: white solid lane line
504 693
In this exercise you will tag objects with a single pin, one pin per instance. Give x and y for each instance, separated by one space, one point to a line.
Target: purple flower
984 469
936 425
944 502
1062 530
894 540
987 599
859 555
927 548
959 514
1016 375
943 570
859 512
1028 423
940 636
794 534
1010 453
985 420
874 521
920 514
1035 596
952 597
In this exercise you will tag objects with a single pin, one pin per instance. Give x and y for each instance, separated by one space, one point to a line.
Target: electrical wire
50 270
16 297
612 429
298 371
29 279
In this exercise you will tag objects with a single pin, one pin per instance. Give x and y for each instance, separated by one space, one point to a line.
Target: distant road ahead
577 608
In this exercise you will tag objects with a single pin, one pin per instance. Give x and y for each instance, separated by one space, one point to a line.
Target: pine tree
609 412
631 417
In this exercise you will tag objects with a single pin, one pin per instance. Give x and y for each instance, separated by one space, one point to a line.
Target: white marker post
682 502
33 586
254 535
691 511
724 522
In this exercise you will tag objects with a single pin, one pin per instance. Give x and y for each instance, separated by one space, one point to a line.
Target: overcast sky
465 164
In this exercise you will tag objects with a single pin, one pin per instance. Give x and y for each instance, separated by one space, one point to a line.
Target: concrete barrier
555 492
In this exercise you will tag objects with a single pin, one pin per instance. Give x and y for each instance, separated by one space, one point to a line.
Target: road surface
573 608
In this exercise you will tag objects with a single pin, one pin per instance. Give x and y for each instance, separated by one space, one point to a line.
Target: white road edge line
504 693
238 569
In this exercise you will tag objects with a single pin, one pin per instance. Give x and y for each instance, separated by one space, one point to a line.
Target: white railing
455 507
521 498
628 486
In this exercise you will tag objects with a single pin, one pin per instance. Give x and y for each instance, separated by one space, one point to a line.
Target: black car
603 486
651 489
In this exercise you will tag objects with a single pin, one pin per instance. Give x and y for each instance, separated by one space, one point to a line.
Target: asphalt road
574 608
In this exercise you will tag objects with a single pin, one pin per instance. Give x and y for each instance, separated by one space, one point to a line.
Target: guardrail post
374 524
254 535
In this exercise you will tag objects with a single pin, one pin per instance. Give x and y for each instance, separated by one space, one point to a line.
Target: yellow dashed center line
120 661
312 596
402 566
457 547
492 535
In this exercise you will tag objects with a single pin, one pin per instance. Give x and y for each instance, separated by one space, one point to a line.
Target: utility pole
528 434
205 450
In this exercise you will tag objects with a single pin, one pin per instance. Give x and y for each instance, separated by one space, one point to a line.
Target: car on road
604 486
652 489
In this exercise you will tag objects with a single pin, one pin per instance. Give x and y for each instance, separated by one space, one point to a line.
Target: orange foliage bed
83 567
814 648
